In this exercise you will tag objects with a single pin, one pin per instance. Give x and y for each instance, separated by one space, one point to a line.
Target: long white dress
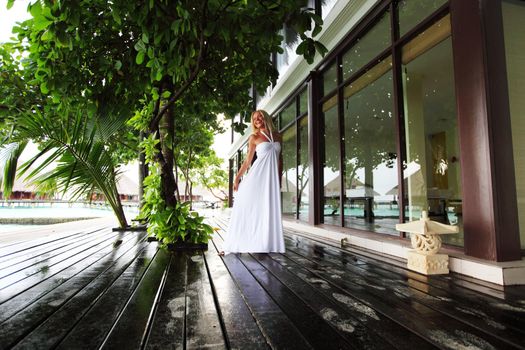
256 223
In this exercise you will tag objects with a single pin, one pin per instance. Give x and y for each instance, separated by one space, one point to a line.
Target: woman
255 224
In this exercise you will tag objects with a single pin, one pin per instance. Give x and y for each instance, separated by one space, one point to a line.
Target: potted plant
177 228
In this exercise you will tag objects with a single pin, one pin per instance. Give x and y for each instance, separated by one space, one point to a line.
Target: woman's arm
247 162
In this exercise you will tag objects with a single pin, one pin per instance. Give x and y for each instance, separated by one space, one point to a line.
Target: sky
8 18
18 13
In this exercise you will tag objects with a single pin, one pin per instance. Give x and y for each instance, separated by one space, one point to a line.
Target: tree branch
202 51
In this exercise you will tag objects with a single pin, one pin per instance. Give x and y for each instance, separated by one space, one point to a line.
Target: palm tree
77 144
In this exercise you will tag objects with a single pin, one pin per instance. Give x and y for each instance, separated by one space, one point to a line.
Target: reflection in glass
288 114
412 12
289 179
514 30
366 48
329 79
303 102
370 152
233 172
432 173
331 172
303 171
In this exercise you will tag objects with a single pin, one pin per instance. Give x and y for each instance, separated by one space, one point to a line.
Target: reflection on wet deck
97 288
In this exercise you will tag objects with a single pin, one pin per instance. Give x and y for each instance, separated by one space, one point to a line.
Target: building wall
381 128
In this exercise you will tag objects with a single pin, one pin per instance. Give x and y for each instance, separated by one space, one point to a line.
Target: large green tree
161 57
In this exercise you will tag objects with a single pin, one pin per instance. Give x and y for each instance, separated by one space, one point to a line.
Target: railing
50 202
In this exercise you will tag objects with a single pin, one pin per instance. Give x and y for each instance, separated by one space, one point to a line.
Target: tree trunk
191 195
165 159
177 193
119 212
143 170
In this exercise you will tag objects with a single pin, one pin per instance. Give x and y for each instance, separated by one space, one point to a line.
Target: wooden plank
203 328
7 252
81 287
442 331
36 258
33 294
17 283
48 260
313 327
242 331
131 327
168 327
357 322
481 311
444 295
278 329
90 314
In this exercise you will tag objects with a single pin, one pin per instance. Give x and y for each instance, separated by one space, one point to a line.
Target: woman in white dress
256 223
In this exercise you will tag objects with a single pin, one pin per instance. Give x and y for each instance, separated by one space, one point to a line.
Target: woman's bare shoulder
252 139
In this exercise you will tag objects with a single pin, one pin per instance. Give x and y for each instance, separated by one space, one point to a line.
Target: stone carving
426 241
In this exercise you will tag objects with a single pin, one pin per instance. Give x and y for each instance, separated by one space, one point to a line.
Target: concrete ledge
505 273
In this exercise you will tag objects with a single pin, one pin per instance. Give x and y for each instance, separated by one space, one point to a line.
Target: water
57 210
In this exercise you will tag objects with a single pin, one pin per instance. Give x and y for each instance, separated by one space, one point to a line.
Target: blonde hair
267 121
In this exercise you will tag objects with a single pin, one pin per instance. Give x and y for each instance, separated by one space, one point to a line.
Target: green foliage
171 224
186 60
212 176
76 146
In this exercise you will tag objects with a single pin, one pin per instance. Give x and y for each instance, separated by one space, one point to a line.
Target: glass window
331 172
514 30
289 179
329 79
243 152
303 174
411 12
367 47
233 172
433 171
288 114
303 102
370 140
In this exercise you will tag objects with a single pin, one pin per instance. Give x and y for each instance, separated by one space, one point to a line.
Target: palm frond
75 145
10 157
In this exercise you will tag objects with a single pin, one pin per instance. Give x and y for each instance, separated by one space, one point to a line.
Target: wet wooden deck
84 291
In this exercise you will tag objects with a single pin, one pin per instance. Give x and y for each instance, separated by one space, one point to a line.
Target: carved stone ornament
426 241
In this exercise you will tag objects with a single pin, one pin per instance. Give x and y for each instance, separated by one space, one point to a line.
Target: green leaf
317 19
301 48
118 64
145 38
140 57
320 48
116 16
10 3
139 46
316 30
158 76
41 23
43 88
